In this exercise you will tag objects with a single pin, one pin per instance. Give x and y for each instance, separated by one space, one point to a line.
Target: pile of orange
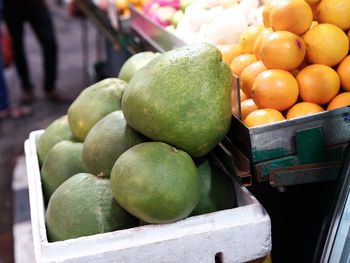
122 5
296 64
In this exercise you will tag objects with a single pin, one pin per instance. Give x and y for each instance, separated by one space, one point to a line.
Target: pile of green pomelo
134 149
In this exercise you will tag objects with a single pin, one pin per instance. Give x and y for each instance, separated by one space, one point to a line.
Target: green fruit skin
62 162
93 103
134 63
106 141
217 191
57 131
183 98
82 206
156 182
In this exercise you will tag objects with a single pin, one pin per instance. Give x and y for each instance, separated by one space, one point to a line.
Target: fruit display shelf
134 33
153 36
240 234
114 27
296 151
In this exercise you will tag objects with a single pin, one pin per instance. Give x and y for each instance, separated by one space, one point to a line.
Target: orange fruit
241 62
229 52
248 37
340 101
248 76
263 116
318 83
282 50
134 2
126 12
314 23
312 2
242 95
247 107
344 73
326 44
349 36
291 15
258 41
336 12
302 109
234 101
296 71
267 12
276 89
121 4
313 9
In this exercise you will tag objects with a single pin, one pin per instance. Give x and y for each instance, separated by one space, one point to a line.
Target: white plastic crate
236 235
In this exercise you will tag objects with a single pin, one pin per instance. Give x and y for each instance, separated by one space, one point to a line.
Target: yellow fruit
326 44
291 15
344 73
258 41
335 12
262 117
340 101
248 76
267 12
247 107
248 37
229 52
282 50
318 84
276 89
349 36
241 62
302 109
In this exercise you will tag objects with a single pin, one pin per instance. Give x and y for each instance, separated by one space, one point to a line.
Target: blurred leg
15 26
4 101
41 23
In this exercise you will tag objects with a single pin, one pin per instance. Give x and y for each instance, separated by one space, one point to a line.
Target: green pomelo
156 182
106 141
183 98
82 206
134 63
93 103
57 131
217 191
62 162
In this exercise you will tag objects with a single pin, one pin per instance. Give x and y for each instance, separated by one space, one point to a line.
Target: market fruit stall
271 110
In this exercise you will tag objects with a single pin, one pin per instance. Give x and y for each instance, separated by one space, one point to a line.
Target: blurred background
80 50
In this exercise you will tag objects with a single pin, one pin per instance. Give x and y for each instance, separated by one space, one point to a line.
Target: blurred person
7 111
16 13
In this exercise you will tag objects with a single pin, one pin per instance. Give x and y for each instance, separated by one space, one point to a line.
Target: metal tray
279 139
159 39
